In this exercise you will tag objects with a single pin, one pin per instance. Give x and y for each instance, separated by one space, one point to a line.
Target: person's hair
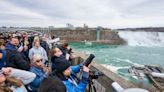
2 42
52 84
36 38
5 89
13 81
13 38
10 81
36 57
53 51
65 44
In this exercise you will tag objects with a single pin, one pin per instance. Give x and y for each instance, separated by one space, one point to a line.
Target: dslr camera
94 74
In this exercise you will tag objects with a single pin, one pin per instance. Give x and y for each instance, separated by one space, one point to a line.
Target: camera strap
72 81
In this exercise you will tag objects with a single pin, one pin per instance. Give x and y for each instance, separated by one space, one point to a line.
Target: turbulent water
143 48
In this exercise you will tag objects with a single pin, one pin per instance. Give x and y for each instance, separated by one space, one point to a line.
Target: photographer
62 68
66 73
66 50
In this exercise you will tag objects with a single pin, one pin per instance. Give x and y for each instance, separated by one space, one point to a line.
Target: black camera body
95 74
70 51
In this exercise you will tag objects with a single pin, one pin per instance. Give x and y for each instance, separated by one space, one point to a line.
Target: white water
147 39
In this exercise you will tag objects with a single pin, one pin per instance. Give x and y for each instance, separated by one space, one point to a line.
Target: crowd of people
29 62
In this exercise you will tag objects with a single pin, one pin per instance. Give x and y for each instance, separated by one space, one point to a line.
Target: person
25 76
37 49
20 70
2 54
15 58
64 48
67 74
56 55
40 70
10 84
13 44
52 84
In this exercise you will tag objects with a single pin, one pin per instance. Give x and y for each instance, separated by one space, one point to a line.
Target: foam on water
112 68
127 61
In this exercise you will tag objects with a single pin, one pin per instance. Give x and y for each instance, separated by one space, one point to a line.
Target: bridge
37 30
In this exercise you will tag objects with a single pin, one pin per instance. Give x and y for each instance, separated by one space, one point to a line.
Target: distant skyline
106 13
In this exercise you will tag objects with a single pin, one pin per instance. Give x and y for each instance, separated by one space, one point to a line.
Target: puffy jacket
76 87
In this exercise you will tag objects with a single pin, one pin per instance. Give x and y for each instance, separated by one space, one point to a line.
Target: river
143 48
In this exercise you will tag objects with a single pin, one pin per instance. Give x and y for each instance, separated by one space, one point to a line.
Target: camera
89 60
70 51
95 74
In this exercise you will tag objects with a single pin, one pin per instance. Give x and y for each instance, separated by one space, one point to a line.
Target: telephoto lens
89 60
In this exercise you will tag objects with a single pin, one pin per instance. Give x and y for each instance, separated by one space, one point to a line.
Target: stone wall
75 35
106 36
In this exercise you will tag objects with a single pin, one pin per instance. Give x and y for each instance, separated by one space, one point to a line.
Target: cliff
89 34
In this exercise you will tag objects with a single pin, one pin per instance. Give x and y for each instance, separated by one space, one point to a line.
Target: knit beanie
62 66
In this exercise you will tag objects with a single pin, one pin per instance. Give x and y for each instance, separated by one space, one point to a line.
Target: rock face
111 37
74 35
90 34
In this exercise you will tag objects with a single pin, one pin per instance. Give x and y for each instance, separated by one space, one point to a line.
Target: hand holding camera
87 61
85 69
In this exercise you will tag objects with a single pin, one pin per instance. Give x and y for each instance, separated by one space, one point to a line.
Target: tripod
92 88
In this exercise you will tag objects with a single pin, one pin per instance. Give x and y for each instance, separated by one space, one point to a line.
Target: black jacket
17 60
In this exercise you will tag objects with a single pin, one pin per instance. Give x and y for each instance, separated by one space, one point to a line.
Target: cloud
107 13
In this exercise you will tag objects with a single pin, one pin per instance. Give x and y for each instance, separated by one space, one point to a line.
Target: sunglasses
40 60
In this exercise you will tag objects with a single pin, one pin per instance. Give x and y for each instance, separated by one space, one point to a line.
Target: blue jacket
3 59
10 46
74 87
40 75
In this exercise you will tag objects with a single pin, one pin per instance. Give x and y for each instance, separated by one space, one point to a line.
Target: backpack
17 60
10 57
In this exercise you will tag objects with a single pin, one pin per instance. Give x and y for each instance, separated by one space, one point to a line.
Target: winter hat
62 66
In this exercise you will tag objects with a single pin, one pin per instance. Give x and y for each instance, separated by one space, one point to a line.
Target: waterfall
139 38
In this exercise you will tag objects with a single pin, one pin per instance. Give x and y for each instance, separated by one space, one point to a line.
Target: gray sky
106 13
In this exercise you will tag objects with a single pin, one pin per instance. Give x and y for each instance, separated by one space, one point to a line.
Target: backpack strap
10 54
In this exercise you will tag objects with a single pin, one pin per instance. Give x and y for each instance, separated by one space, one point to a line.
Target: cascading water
147 39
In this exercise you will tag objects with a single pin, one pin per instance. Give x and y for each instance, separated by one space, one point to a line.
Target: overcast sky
106 13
